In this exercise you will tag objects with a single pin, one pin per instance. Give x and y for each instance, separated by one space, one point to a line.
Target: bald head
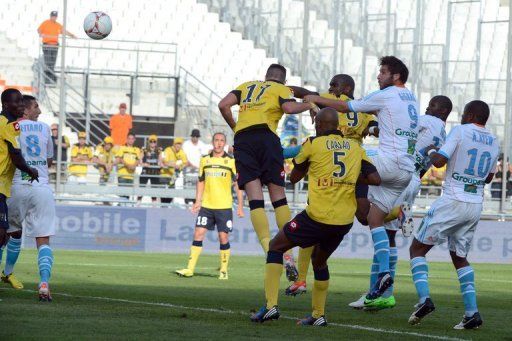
326 120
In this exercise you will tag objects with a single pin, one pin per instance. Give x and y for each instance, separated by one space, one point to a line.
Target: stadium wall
171 230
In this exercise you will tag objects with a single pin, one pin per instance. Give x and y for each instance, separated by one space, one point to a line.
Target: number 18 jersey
36 147
472 152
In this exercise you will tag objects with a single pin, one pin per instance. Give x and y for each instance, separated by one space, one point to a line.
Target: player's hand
3 237
196 207
312 114
310 98
34 174
240 212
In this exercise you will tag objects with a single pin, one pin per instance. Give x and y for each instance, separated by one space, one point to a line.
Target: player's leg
16 213
381 250
419 270
224 222
45 264
299 286
197 246
259 219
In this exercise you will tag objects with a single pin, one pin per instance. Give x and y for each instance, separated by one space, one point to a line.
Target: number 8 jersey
36 147
472 152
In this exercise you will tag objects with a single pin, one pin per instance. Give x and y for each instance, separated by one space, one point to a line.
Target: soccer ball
97 25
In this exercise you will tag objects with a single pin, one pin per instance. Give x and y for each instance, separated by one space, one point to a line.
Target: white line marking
231 312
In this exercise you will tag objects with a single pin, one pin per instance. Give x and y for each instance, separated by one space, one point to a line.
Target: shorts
259 155
393 182
409 195
305 232
209 218
4 222
32 208
450 220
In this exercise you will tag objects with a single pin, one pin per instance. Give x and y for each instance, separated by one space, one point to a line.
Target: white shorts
409 195
393 182
33 209
450 220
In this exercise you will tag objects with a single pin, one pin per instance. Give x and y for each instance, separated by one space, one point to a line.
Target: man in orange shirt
49 31
120 125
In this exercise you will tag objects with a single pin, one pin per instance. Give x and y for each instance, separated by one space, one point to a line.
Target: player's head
32 110
392 72
293 142
218 142
54 15
439 106
130 139
276 73
12 102
476 112
326 120
342 84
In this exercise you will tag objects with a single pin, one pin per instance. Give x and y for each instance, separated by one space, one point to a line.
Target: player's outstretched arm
225 105
296 108
340 106
299 92
298 173
438 160
369 174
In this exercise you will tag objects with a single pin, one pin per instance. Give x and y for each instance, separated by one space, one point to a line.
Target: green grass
80 278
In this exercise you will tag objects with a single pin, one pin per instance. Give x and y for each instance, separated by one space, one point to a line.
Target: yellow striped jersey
218 174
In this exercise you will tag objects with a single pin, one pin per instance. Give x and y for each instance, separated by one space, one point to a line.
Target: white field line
231 312
215 268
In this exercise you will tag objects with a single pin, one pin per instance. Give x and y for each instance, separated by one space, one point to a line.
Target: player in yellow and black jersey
334 165
258 152
214 203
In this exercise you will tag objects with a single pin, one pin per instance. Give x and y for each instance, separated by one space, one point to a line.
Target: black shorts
209 218
4 221
259 155
305 232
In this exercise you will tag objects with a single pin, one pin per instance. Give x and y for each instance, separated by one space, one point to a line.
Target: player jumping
334 164
258 152
214 203
470 153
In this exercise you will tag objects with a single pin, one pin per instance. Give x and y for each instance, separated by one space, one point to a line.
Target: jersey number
413 116
336 160
352 116
202 221
251 88
484 165
33 148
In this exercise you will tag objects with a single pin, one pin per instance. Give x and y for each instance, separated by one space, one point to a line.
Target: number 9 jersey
36 147
335 164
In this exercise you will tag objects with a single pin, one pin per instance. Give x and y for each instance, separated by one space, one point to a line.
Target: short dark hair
345 79
395 66
130 133
276 72
7 94
293 140
27 99
444 102
480 109
219 133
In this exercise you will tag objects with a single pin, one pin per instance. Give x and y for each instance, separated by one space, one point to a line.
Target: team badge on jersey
16 126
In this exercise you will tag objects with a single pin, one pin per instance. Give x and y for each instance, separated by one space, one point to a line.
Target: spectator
173 161
81 156
64 150
498 180
195 149
127 159
49 31
104 158
151 163
120 125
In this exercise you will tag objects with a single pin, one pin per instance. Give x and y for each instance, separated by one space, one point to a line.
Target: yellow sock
392 215
273 273
319 297
224 260
260 222
304 261
195 251
283 215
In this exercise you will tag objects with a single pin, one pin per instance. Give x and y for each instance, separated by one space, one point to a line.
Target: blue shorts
4 222
209 218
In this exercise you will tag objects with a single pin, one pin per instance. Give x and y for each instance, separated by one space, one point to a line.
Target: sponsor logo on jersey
410 134
456 176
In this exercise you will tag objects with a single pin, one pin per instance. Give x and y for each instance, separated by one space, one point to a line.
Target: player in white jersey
471 153
32 204
431 132
397 111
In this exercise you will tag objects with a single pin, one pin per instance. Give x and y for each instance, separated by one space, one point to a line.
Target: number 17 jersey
36 147
472 152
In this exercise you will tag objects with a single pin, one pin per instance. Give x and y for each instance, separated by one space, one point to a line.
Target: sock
13 251
381 248
225 252
374 273
419 269
320 292
467 288
392 215
393 259
304 261
273 271
45 262
195 252
260 223
282 211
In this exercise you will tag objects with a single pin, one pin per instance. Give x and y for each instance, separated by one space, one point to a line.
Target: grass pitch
127 295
